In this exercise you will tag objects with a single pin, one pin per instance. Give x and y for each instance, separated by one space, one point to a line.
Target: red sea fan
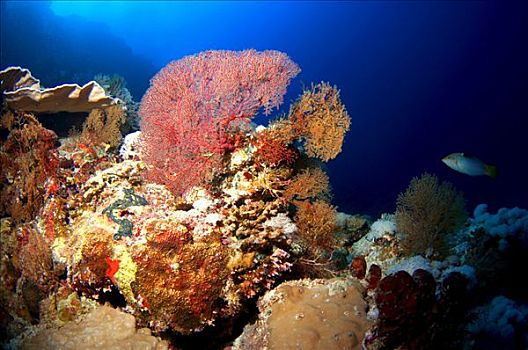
193 104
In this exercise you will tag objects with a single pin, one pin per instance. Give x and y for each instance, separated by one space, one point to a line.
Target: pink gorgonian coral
194 105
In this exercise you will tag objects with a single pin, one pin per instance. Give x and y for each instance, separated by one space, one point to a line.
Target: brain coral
309 314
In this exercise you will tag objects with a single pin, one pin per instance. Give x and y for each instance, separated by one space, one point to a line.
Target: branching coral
272 152
426 213
322 120
34 257
273 145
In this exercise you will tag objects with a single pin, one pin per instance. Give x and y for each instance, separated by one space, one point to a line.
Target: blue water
420 79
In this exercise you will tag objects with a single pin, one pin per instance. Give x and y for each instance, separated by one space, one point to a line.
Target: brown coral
322 120
309 183
88 275
28 159
180 282
103 126
34 257
103 328
426 213
316 223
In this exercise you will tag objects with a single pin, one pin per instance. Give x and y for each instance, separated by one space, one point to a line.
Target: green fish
469 165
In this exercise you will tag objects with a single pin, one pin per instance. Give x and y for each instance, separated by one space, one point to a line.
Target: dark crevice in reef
219 336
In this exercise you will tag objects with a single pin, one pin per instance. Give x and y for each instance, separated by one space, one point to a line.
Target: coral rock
374 276
359 267
103 328
396 296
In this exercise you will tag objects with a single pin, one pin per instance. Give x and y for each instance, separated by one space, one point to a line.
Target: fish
469 165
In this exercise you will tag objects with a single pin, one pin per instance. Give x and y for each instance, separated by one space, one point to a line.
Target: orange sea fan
316 223
426 213
310 183
321 119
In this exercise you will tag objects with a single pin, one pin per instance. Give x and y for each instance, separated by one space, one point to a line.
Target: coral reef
188 235
178 260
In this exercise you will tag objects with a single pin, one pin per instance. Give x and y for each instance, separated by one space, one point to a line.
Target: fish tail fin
491 171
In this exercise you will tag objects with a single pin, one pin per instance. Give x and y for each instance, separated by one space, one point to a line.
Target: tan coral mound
309 314
103 328
23 92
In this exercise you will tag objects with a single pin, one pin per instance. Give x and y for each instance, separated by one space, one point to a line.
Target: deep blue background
420 79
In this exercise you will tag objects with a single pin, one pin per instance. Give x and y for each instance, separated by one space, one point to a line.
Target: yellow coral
241 261
126 273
